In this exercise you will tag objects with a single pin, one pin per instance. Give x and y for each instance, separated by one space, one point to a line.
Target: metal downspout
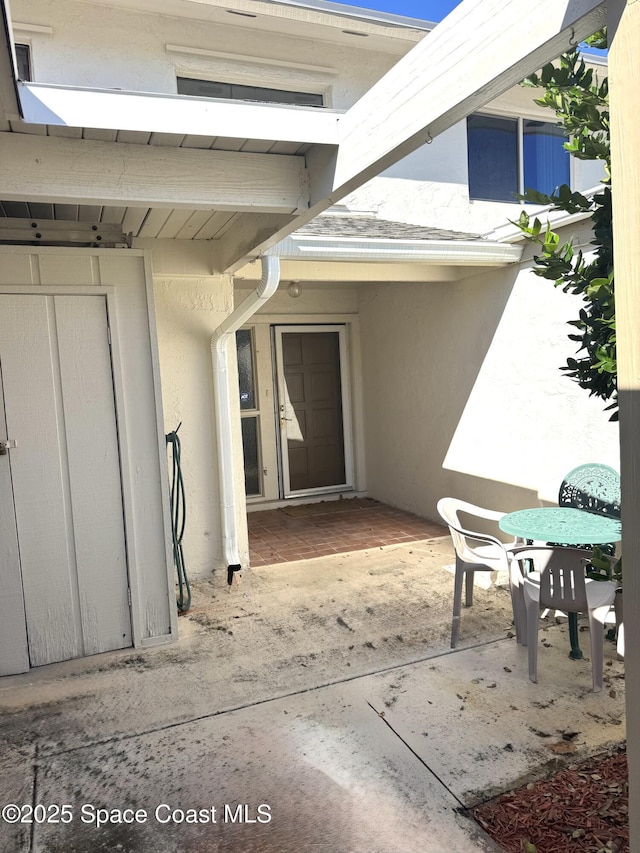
222 397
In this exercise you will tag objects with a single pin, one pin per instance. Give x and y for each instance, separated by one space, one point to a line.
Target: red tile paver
277 537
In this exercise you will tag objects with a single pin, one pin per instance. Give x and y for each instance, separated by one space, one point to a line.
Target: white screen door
314 409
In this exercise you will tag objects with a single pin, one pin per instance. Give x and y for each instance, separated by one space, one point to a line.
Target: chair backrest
464 540
593 487
562 576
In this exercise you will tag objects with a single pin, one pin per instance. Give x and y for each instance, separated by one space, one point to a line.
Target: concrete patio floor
315 707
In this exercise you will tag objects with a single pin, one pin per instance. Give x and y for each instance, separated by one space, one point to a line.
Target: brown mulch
582 809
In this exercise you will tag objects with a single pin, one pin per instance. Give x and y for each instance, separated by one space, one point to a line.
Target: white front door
314 409
62 537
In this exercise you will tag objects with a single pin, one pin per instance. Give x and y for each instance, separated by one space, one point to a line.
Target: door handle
7 445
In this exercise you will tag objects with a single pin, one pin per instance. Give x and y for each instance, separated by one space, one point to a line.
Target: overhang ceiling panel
175 222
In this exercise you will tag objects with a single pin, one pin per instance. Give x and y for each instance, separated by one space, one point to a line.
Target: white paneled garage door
62 537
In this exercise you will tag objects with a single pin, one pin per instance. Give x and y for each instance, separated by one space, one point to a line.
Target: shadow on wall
490 494
524 422
423 348
463 388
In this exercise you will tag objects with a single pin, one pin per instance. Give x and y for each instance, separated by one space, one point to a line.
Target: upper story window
508 155
236 92
23 56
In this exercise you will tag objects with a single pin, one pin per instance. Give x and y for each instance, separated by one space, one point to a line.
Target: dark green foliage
581 103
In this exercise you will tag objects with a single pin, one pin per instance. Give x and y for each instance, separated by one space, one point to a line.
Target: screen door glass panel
312 412
246 381
251 456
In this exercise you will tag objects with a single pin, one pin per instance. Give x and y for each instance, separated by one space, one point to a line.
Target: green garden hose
178 519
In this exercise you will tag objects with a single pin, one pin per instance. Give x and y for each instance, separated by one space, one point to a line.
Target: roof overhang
457 252
343 260
349 26
145 112
480 50
483 48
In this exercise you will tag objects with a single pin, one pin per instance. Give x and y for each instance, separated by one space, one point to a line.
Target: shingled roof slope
369 227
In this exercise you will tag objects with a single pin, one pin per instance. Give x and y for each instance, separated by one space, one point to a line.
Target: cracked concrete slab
481 725
315 772
16 788
325 690
285 628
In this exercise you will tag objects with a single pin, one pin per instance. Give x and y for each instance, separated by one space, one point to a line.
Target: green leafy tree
581 103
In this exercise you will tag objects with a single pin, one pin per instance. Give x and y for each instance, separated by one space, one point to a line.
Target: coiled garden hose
178 519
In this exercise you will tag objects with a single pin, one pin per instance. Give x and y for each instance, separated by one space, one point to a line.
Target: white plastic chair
559 583
480 552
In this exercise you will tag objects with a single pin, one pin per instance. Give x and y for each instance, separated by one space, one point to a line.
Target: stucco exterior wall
431 186
463 394
97 46
330 299
188 310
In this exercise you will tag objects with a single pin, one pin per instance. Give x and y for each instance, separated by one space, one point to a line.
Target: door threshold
307 499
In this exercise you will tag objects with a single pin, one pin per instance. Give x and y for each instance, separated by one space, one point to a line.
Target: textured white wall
188 310
463 395
94 45
324 300
430 186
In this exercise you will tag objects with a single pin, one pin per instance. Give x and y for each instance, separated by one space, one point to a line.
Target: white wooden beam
479 51
246 239
156 113
624 84
85 172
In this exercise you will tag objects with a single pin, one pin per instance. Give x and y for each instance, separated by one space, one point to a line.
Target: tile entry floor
332 527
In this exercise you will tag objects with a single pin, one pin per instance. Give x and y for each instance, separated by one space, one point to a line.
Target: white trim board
158 113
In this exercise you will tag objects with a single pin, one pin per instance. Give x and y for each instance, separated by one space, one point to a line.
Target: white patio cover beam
78 171
478 52
68 106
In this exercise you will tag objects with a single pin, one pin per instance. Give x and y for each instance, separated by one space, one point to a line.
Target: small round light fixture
294 290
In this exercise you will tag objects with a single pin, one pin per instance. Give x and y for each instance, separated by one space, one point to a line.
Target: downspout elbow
267 286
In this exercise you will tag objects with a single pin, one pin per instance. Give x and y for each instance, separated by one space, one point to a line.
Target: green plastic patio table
567 526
